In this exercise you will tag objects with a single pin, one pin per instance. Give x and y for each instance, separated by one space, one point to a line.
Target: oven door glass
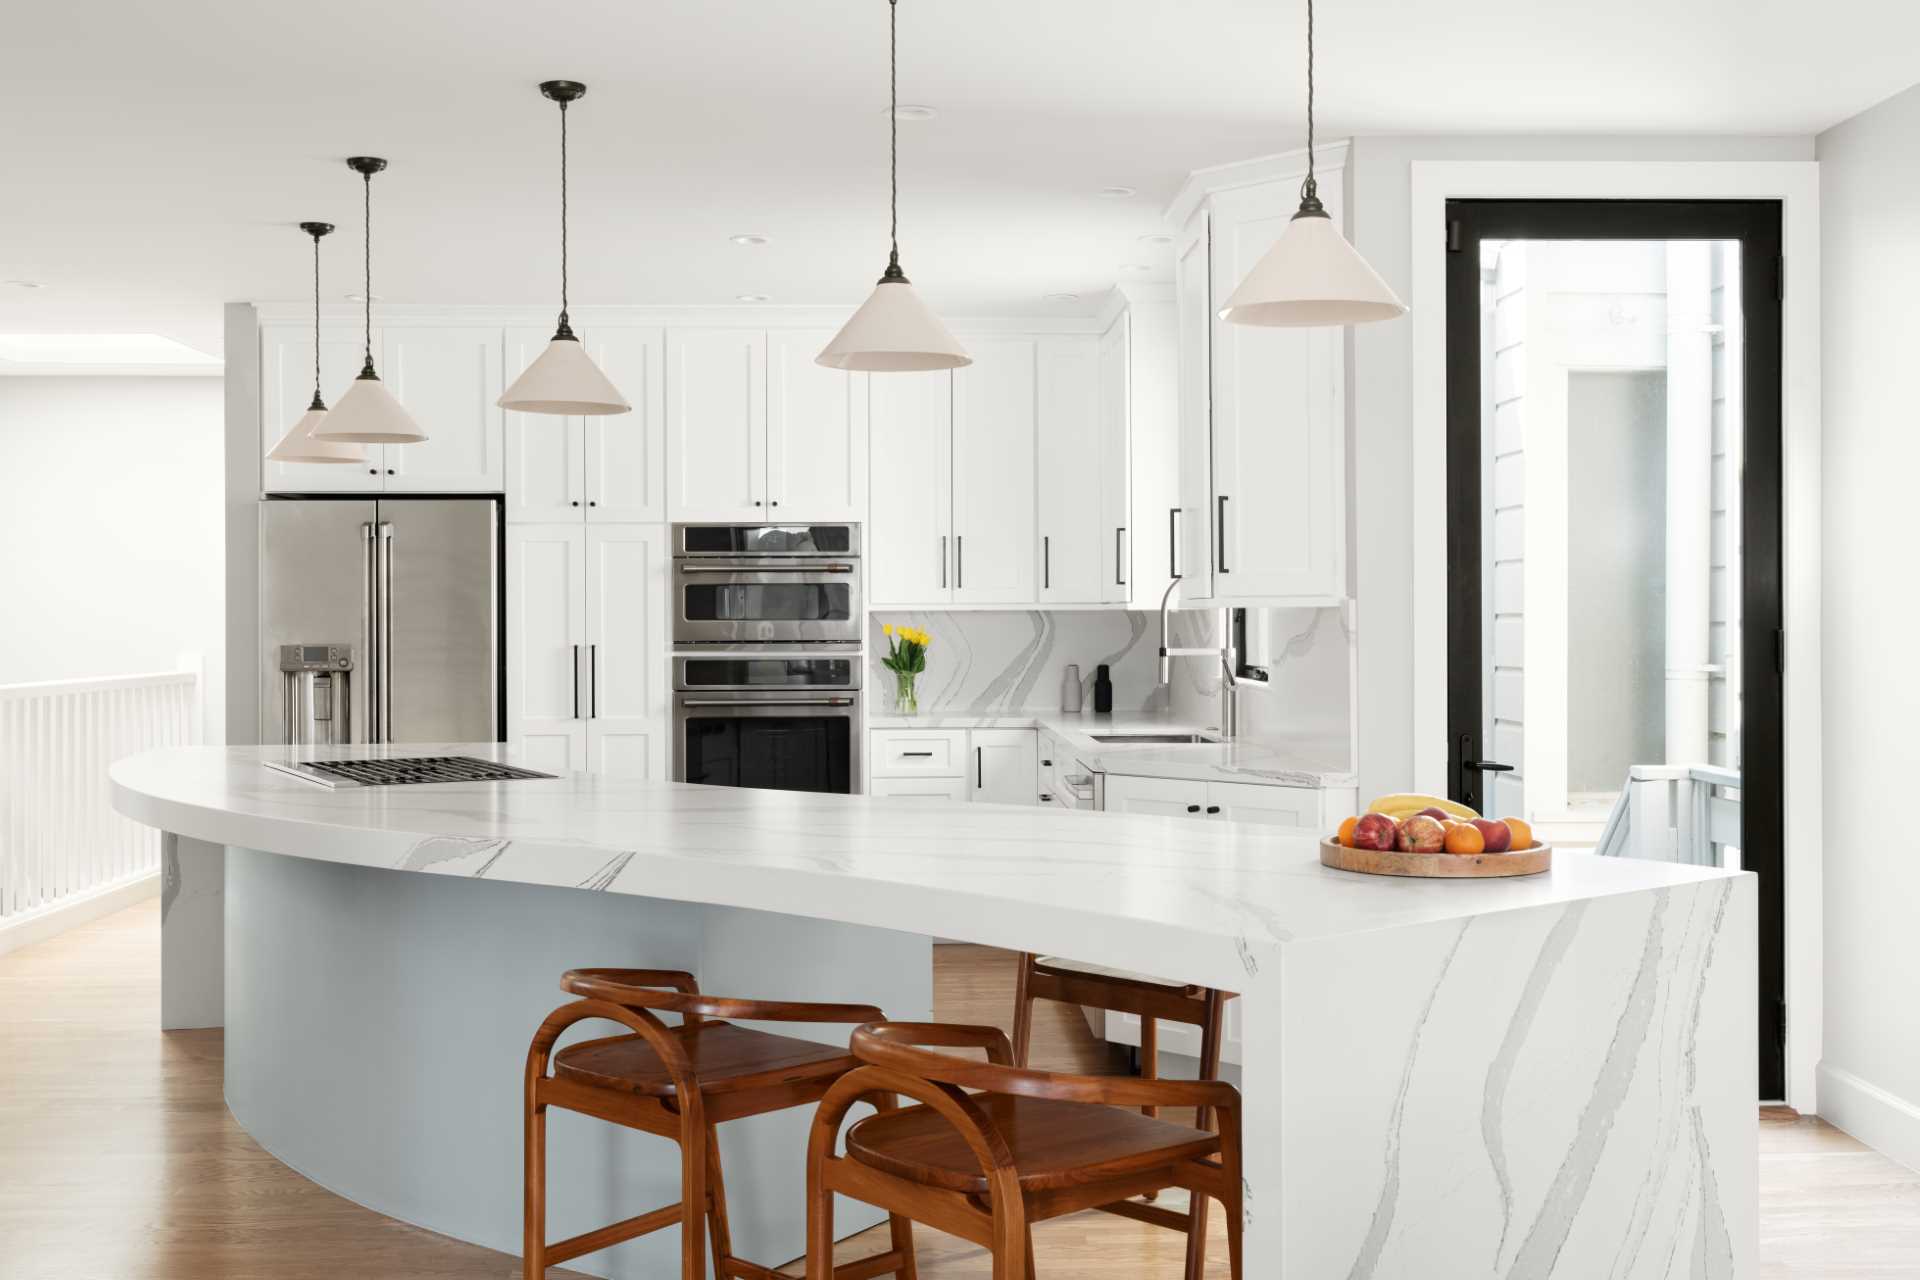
781 753
789 601
758 671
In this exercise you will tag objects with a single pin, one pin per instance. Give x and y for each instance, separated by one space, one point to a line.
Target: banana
1404 805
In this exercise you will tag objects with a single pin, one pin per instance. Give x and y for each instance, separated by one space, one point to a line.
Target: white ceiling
157 156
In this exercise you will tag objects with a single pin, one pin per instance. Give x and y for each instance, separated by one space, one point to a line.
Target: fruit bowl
1436 866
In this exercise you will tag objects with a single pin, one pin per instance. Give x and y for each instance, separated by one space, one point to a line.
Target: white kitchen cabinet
546 636
1165 797
994 560
909 542
1003 764
717 424
917 753
1188 530
1149 381
1307 809
1073 454
286 390
920 788
1279 466
448 377
601 468
1113 408
625 685
1297 807
816 447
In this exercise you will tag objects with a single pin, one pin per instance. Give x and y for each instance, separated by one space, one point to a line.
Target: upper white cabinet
286 389
1076 552
1262 415
717 424
1113 428
448 377
910 505
994 559
604 468
1139 383
816 451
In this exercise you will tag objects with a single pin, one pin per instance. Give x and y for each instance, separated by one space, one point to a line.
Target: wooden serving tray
1436 866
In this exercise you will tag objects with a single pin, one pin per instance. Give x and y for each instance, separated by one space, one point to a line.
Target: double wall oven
766 663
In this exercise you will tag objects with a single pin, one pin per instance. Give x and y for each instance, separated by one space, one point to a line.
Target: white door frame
1796 183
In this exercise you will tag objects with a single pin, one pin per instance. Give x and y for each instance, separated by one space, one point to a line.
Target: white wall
1870 249
1380 403
110 507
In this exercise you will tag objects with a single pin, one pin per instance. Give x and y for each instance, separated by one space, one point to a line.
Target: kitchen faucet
1230 719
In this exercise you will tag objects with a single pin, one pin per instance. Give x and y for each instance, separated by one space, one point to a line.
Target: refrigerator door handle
369 656
385 657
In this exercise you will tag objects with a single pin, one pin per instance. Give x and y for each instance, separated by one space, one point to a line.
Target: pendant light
894 331
368 412
299 444
1312 276
564 378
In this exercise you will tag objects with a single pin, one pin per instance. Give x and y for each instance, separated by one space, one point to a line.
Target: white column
1689 495
193 945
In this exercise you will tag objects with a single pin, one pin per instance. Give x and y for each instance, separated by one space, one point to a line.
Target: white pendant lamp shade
1311 276
564 379
369 414
894 332
300 444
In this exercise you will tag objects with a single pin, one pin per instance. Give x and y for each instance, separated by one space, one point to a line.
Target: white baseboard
1885 1122
72 912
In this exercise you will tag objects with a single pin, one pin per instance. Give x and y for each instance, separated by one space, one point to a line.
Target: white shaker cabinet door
909 545
626 638
995 552
546 643
1279 466
816 432
1296 807
1074 544
546 460
626 453
1001 765
1167 797
448 377
717 424
1113 427
286 391
1188 535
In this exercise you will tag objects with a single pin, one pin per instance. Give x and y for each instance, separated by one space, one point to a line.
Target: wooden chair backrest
676 991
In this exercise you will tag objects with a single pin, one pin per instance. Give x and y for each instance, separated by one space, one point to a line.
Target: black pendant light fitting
1310 206
316 230
366 167
563 92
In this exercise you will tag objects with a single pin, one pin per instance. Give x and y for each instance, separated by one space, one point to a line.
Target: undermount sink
1182 739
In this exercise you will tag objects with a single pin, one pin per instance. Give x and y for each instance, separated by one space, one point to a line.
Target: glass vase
906 700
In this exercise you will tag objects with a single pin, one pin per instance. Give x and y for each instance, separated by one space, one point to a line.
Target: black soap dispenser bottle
1102 690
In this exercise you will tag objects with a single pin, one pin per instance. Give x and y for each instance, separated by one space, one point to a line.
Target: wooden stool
1032 1145
1048 978
679 1082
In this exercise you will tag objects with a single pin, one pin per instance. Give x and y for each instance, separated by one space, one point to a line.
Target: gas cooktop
401 771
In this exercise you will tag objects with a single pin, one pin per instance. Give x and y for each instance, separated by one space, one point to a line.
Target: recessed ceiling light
1063 297
1156 237
751 238
99 348
23 284
752 297
912 111
361 297
1134 266
1116 193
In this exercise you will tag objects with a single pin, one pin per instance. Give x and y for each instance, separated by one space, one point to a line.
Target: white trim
1797 184
1888 1124
389 315
71 912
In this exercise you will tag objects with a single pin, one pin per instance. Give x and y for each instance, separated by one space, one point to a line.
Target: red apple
1421 834
1375 831
1435 812
1497 834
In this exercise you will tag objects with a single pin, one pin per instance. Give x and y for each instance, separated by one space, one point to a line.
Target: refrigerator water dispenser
317 691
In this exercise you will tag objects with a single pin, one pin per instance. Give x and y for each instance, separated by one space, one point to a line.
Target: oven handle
766 702
689 569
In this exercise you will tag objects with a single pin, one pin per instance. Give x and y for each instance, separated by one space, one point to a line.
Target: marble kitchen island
1550 1076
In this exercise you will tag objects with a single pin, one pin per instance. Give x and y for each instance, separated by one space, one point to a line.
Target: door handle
384 534
1173 543
1046 563
576 682
979 768
943 562
1223 533
689 570
1487 766
959 561
1119 576
928 754
371 607
1193 808
766 702
593 682
1213 808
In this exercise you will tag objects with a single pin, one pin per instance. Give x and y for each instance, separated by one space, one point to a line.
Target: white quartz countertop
1200 901
1302 761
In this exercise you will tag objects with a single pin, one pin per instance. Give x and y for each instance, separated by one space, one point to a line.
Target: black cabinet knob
389 470
1213 808
594 503
373 471
1193 808
576 504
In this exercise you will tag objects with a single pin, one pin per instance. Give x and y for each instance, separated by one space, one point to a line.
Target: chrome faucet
1230 716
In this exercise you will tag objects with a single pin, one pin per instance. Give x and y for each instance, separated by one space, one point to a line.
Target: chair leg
819 1224
1012 1244
717 1230
1030 1275
1022 1010
901 1229
1197 1237
1234 1218
533 1250
693 1201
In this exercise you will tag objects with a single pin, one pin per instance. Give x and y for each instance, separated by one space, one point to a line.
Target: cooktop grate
400 771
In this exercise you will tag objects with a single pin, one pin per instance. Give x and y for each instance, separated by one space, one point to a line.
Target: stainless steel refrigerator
408 590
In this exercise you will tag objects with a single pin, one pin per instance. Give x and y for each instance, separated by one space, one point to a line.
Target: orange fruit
1346 831
1522 833
1465 838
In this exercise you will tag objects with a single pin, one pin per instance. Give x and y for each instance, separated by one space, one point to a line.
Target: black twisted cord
1310 189
318 403
366 262
893 131
565 329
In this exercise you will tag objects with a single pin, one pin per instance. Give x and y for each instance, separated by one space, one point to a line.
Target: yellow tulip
888 628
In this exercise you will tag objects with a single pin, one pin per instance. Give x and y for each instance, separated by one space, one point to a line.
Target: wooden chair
1045 978
1031 1145
680 1082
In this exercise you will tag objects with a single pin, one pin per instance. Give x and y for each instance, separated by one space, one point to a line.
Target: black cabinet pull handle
1193 808
1045 798
979 768
1046 563
592 502
1213 808
1223 533
916 753
1047 763
576 502
1173 542
593 681
959 560
1119 577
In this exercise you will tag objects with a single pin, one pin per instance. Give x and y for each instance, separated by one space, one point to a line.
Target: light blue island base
376 1037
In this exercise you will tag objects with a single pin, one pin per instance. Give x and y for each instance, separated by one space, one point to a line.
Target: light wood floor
118 1160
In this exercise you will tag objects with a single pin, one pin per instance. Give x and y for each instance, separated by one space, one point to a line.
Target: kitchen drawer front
920 788
915 753
1263 805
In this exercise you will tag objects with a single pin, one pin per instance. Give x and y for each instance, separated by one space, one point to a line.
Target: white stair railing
1675 813
60 840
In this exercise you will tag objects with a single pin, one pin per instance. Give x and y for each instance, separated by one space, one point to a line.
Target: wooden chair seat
1053 1144
724 1059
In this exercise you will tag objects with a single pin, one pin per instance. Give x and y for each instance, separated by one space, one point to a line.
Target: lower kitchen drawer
913 753
920 788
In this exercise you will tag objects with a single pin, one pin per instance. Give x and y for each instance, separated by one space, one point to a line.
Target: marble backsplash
986 663
1309 657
